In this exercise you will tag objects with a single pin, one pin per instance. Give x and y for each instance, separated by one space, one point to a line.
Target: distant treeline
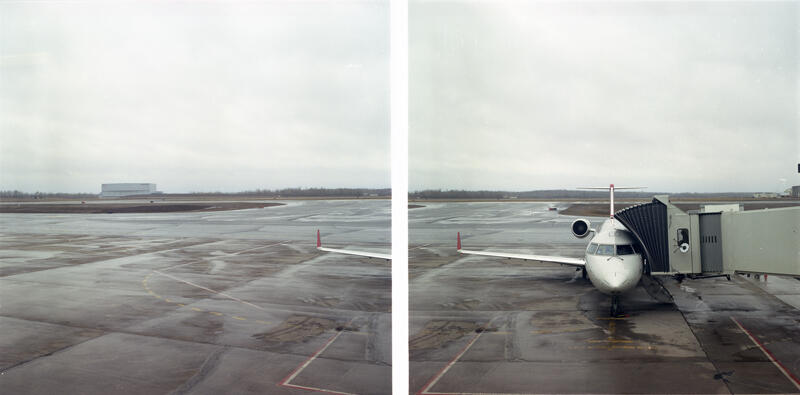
272 193
561 194
44 195
308 192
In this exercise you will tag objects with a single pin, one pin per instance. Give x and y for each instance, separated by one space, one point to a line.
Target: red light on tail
459 240
319 243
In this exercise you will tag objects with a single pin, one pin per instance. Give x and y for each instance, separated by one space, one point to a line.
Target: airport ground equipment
718 240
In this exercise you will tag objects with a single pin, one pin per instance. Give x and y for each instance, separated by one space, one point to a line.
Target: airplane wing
351 252
564 260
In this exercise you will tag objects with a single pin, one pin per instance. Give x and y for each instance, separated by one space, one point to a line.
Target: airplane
613 260
388 257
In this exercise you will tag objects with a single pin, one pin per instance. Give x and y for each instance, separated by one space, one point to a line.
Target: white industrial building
127 189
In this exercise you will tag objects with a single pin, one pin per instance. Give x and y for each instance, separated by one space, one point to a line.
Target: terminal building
127 189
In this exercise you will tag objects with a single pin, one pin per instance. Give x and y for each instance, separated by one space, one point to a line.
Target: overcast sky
211 96
674 96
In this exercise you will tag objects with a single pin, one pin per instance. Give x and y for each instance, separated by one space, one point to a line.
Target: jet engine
581 228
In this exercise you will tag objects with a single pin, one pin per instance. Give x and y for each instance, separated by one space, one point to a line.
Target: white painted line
209 290
183 264
256 248
769 355
235 253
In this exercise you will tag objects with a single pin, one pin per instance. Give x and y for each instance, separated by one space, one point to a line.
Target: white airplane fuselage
613 266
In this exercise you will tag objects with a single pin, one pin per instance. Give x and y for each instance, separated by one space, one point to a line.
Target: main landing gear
616 308
584 272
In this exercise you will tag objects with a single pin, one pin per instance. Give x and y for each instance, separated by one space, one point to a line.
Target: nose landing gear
616 308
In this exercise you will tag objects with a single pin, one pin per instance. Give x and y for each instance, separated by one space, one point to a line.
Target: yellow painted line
168 300
261 322
615 347
549 331
196 309
158 296
215 313
181 304
498 333
610 341
236 317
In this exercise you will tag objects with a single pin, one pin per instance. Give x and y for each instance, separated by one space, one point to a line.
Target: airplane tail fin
319 242
611 189
459 241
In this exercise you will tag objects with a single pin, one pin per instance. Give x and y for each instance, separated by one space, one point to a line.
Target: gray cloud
675 96
209 96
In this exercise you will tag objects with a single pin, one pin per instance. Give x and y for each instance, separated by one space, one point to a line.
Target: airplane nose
616 280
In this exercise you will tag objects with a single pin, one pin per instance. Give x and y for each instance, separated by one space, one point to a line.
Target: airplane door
710 243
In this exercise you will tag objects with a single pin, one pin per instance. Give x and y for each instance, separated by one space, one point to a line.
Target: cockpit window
592 248
624 249
605 249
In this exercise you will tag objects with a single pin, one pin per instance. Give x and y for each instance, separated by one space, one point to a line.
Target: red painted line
769 355
438 376
316 389
297 370
309 359
447 367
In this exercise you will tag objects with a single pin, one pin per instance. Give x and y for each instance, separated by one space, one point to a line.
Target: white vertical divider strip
399 139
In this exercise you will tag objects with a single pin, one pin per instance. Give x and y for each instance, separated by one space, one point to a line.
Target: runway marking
610 346
216 313
183 264
610 340
209 290
769 355
435 379
551 331
613 347
286 382
256 248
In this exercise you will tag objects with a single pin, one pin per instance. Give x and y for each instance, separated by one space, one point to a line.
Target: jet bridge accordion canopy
648 223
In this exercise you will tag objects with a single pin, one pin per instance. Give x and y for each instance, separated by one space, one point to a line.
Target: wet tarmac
201 303
493 325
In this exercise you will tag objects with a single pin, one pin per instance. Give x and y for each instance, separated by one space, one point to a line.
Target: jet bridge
648 223
721 241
